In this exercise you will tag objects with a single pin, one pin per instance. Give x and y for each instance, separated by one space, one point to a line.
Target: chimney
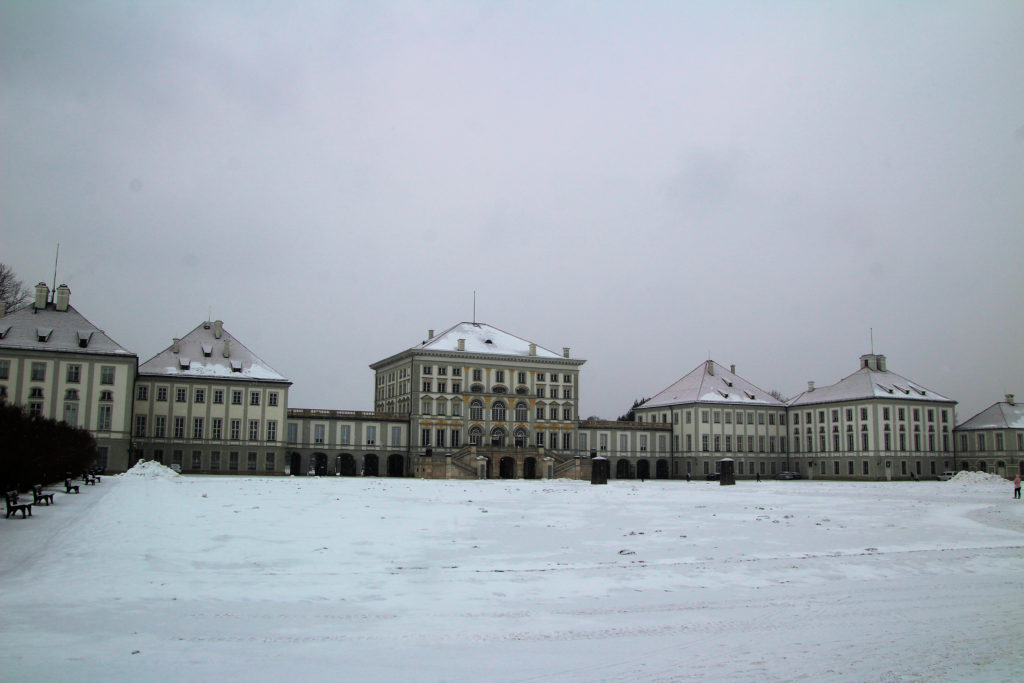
63 297
430 334
711 367
462 345
533 349
1009 399
227 348
175 345
810 386
880 362
42 294
732 368
565 352
218 328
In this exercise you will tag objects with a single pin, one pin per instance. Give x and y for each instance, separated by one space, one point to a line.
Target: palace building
473 402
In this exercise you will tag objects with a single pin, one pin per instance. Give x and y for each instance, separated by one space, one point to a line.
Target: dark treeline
36 450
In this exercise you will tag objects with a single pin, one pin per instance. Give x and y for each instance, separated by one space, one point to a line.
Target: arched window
476 410
522 412
498 411
474 436
425 409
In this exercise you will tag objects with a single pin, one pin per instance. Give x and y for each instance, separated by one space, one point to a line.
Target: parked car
789 475
946 476
714 476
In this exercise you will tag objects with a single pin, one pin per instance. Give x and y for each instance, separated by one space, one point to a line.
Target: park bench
40 498
14 506
88 478
69 487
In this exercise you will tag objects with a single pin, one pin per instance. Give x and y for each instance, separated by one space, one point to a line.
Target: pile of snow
151 469
965 477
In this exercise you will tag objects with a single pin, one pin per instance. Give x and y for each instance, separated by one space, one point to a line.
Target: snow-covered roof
47 329
1000 415
201 353
869 382
483 338
710 382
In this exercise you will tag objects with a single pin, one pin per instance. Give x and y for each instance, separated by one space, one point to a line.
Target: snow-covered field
155 577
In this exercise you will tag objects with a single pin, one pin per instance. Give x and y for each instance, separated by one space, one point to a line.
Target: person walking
1016 486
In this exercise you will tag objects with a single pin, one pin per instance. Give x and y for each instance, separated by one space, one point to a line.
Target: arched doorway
507 468
320 464
530 468
396 465
982 466
370 467
346 465
643 469
520 438
498 437
1001 468
295 463
661 469
622 469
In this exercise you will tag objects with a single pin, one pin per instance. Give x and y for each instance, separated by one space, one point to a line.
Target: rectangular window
981 442
251 461
318 433
254 430
215 461
371 435
553 441
540 392
159 426
216 428
999 442
236 430
5 369
233 460
254 398
272 399
346 435
218 396
38 372
293 432
199 395
197 460
566 412
442 387
271 430
425 436
161 394
476 374
704 442
456 438
74 374
396 436
71 414
103 418
704 416
728 442
583 441
689 442
106 374
428 369
427 384
236 397
771 418
179 428
456 387
140 425
270 462
499 376
716 417
176 457
180 394
197 428
760 418
142 393
439 435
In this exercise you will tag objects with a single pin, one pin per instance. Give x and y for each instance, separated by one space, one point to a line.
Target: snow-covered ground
157 577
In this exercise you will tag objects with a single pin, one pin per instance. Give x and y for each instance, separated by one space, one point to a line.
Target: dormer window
4 330
43 333
83 338
236 366
207 350
184 363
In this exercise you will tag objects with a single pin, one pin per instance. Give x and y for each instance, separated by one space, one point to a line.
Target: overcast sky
646 183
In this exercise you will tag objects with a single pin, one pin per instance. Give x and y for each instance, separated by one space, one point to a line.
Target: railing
360 414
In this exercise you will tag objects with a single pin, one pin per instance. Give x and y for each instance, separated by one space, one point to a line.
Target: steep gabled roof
483 338
47 329
997 416
710 382
201 353
869 383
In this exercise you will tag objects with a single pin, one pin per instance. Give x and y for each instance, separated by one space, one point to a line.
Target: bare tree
13 291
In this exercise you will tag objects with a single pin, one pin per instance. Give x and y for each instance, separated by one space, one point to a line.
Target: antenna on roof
55 269
872 340
474 307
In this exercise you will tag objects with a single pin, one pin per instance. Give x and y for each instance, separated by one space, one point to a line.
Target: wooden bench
14 506
88 478
69 487
40 498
